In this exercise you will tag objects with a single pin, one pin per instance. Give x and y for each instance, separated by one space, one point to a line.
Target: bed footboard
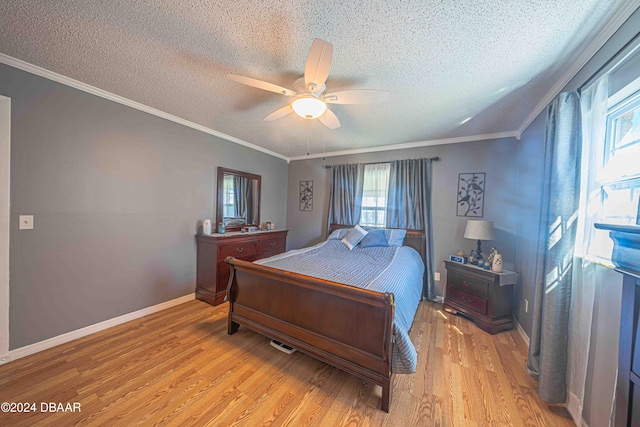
344 326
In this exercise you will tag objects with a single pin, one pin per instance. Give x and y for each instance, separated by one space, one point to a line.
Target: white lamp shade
309 107
479 230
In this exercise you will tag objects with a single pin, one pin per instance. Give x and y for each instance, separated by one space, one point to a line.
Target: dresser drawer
224 268
237 249
223 281
271 246
468 284
465 299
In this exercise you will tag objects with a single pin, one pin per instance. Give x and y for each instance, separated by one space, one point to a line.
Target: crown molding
39 71
418 144
622 13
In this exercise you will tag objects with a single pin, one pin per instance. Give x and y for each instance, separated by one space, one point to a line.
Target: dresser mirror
238 199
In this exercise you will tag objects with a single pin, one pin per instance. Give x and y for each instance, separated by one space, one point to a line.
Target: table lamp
479 230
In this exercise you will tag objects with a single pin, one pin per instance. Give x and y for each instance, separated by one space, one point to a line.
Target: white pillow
354 236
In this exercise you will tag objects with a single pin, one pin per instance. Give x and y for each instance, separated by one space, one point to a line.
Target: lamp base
478 255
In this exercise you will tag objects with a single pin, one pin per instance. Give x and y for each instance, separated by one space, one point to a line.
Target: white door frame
5 175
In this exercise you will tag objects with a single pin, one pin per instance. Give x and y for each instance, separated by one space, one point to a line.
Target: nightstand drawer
468 284
467 300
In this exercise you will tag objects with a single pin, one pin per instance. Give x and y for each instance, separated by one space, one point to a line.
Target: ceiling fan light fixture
309 107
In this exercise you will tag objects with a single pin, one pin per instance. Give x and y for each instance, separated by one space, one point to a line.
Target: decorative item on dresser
213 273
482 295
626 258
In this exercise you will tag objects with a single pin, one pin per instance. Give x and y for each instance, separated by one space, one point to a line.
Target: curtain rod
434 159
617 60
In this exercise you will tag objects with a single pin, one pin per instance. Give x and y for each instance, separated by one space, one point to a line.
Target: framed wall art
306 195
470 198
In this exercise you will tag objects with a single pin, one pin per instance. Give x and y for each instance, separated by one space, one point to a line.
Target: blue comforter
394 269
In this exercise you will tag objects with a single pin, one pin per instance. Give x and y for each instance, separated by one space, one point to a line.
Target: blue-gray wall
495 158
117 195
606 321
514 183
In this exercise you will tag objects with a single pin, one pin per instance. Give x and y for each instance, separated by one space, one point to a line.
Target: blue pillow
338 234
396 237
374 238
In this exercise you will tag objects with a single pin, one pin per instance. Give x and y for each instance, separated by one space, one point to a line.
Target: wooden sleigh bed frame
321 318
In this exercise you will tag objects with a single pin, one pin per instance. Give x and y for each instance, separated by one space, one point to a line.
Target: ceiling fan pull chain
324 141
307 137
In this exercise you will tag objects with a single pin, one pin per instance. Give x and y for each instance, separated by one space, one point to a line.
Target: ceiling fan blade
356 96
318 65
329 119
281 112
261 85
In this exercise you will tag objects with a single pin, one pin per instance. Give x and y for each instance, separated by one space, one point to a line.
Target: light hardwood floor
179 367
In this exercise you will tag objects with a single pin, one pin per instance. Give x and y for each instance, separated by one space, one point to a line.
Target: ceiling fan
309 90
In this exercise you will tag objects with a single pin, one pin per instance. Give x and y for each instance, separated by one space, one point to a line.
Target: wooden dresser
626 258
213 273
481 295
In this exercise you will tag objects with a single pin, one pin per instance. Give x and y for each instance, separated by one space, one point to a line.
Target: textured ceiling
453 68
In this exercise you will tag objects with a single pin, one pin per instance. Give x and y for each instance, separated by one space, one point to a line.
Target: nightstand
482 295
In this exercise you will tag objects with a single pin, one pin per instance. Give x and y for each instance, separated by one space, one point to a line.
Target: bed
359 330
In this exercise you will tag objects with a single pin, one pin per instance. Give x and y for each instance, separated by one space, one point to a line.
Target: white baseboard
521 331
74 335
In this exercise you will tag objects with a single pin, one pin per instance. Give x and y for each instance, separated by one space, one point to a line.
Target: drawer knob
468 285
239 249
466 299
272 244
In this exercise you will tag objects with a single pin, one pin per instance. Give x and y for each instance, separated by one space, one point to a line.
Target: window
374 194
620 177
616 194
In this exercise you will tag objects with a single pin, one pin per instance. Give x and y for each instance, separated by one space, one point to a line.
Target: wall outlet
26 222
526 305
436 276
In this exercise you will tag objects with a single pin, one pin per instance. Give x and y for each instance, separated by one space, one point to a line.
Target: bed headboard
415 239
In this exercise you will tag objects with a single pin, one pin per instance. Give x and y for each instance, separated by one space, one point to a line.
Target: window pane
374 194
620 202
622 155
626 128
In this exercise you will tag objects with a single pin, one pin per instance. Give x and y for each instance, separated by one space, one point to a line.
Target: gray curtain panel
345 199
547 360
409 207
240 205
244 198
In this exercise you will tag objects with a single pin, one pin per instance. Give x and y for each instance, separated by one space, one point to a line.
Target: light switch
437 276
26 222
